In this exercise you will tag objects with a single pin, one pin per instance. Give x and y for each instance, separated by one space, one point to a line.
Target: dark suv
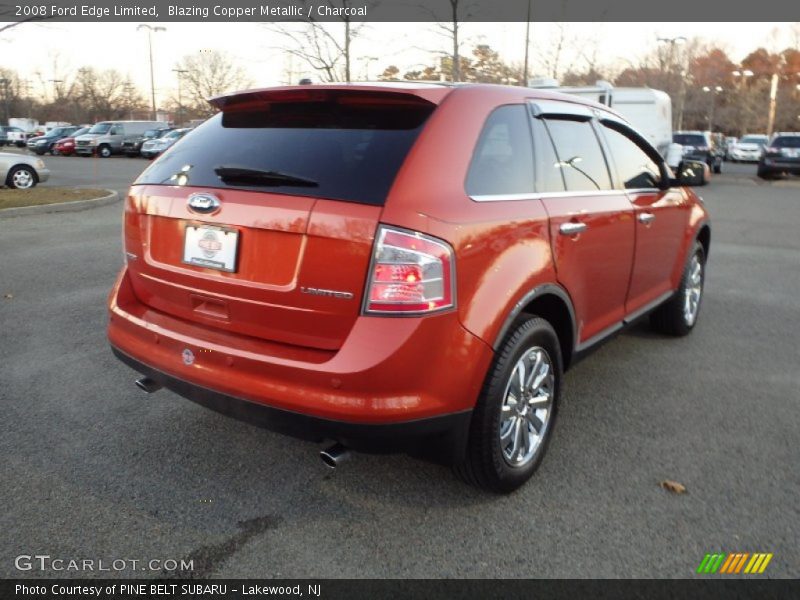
698 145
780 156
406 267
133 147
45 143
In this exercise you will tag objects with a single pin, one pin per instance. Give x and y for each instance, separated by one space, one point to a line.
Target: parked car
43 144
27 126
10 135
781 156
749 148
106 138
22 172
133 147
154 147
700 146
66 146
405 267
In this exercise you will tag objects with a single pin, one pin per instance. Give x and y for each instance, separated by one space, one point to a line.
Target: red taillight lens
410 273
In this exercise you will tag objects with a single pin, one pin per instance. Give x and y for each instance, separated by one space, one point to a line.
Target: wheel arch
704 237
552 303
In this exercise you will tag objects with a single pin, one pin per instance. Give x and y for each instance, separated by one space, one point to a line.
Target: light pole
55 83
181 73
742 75
717 89
4 82
366 60
150 32
676 41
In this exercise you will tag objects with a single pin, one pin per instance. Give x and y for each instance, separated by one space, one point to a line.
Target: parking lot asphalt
92 468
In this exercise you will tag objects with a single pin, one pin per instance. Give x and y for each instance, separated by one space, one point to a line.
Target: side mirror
692 172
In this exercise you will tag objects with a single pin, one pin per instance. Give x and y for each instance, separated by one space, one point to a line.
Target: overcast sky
33 48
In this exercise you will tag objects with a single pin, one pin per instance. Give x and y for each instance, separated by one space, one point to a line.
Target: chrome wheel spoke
506 436
535 421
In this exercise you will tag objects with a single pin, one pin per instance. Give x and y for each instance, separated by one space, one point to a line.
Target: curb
73 206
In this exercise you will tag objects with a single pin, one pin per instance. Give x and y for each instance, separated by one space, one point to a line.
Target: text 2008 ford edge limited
402 267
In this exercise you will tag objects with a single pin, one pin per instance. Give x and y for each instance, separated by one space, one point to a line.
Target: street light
150 32
366 60
4 82
675 41
55 83
181 73
742 75
717 89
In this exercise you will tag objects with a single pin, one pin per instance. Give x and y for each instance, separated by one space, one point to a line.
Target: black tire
671 318
485 465
29 174
765 173
104 151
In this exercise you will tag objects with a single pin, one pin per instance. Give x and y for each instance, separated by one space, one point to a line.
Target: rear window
688 139
788 141
753 139
322 149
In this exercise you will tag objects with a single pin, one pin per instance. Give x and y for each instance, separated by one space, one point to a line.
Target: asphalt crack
207 559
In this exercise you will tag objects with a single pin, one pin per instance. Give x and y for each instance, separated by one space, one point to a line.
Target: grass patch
46 195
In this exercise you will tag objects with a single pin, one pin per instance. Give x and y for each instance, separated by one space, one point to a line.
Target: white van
648 110
106 137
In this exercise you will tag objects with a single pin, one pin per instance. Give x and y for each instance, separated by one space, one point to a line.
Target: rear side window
689 139
635 168
786 141
349 152
580 157
503 159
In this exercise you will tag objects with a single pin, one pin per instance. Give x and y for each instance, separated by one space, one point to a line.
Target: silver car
22 172
152 148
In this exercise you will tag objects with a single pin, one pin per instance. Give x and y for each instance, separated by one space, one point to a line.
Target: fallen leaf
8 296
673 486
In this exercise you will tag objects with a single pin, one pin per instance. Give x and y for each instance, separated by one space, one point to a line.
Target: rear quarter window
348 152
502 162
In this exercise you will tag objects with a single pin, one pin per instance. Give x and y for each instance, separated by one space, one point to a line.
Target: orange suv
402 267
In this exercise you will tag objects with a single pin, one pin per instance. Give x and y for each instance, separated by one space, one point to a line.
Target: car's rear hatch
261 221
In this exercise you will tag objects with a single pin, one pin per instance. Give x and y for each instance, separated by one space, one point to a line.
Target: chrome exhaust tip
334 456
147 385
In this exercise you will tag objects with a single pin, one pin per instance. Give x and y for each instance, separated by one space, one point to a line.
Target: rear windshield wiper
244 176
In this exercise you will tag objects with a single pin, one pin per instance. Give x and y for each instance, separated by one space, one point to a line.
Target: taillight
410 273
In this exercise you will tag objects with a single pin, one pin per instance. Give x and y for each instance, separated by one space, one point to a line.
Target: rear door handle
572 228
646 217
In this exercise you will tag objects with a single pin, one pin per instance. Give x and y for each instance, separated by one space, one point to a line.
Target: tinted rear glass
349 152
687 139
792 141
753 140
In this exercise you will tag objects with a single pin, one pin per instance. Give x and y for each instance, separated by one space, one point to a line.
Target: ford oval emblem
203 203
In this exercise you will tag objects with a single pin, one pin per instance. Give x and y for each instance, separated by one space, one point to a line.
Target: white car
22 172
748 148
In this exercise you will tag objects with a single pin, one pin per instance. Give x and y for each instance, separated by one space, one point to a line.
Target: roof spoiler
344 95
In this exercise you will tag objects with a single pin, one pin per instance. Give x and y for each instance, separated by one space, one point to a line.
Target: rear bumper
392 377
442 437
791 165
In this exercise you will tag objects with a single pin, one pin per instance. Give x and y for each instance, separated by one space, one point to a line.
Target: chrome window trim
543 195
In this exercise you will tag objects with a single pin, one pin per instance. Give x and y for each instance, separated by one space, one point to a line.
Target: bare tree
209 73
324 46
457 12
